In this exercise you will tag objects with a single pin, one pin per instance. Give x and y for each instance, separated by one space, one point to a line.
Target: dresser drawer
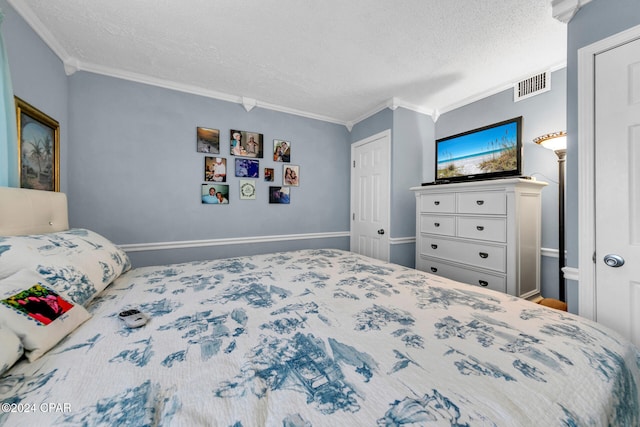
438 203
486 280
483 228
438 224
487 202
474 254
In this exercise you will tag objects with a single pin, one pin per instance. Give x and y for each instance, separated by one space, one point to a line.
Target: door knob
381 231
613 260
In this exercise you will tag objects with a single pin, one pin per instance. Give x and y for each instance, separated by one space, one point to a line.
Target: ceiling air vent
532 86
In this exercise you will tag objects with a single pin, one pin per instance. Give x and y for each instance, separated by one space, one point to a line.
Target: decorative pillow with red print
36 313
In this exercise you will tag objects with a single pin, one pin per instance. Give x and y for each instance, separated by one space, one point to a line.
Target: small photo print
39 303
279 195
269 174
208 140
215 194
281 151
247 189
291 175
246 168
245 144
215 169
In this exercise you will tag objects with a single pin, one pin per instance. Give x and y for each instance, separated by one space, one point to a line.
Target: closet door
370 196
617 189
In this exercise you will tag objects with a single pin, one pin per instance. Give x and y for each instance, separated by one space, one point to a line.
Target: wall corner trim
248 103
564 10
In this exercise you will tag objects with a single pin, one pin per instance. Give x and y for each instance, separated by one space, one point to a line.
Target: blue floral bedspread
323 338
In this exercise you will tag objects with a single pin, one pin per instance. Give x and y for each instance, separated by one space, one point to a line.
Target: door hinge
353 216
354 163
593 258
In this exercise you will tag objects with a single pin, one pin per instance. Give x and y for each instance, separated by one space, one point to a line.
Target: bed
318 337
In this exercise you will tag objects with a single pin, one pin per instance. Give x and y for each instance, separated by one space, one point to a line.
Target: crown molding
365 116
72 65
494 91
564 10
474 98
153 81
247 103
301 113
36 25
392 104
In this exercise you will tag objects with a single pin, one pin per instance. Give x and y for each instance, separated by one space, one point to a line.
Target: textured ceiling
339 60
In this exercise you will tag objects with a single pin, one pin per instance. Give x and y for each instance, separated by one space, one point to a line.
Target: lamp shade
556 141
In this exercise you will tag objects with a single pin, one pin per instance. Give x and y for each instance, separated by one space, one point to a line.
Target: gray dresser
485 233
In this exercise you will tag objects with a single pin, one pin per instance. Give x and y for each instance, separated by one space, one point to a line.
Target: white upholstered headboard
25 211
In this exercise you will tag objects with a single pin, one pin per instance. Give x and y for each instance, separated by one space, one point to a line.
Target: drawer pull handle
480 202
434 270
437 224
479 227
483 283
434 246
483 255
436 202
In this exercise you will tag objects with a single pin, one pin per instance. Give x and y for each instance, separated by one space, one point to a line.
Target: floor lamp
557 142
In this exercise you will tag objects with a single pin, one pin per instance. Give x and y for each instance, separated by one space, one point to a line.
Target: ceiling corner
71 65
34 22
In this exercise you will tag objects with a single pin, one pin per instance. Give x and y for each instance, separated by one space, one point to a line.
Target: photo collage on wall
247 148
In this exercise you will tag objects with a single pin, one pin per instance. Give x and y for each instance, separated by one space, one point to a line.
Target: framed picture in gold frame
38 148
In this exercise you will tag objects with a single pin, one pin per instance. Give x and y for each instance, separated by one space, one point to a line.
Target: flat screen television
488 152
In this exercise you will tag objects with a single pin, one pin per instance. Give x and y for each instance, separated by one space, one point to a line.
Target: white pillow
36 313
78 263
11 349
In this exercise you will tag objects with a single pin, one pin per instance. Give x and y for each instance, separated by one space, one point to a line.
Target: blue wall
410 132
372 125
37 75
135 175
135 166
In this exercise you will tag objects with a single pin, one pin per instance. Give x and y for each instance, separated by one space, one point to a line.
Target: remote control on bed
133 318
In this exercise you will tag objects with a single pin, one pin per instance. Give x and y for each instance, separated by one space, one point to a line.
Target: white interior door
370 196
617 188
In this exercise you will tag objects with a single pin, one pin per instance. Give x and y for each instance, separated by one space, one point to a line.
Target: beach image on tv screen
487 151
